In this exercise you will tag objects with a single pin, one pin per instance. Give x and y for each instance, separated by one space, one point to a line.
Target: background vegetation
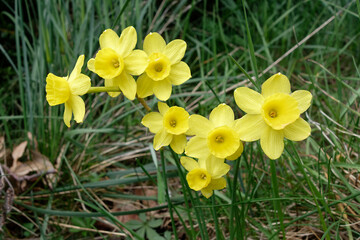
107 172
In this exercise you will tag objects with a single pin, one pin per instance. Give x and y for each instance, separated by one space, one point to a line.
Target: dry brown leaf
17 153
2 147
39 164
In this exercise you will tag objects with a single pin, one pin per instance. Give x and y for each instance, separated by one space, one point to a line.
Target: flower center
116 63
173 123
159 66
203 176
223 141
176 120
280 110
198 179
108 63
272 113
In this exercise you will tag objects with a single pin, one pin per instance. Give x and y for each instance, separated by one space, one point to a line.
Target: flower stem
142 101
103 89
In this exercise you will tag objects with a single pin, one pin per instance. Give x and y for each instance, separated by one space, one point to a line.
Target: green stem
234 207
103 89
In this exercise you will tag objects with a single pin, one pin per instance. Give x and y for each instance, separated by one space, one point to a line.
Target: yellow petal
189 163
207 192
272 142
144 86
179 73
163 108
248 100
153 121
57 90
112 83
162 138
200 126
303 97
175 50
250 127
178 143
277 83
216 167
80 85
108 64
222 115
197 147
217 184
127 43
136 62
237 154
78 108
109 39
162 89
298 130
198 178
77 69
67 114
154 43
127 85
91 64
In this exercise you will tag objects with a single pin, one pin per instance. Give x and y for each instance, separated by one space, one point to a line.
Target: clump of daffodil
169 125
216 136
117 61
273 114
67 90
165 67
206 175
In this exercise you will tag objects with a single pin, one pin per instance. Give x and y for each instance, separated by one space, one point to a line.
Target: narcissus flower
169 125
67 90
273 114
117 61
206 175
216 136
165 67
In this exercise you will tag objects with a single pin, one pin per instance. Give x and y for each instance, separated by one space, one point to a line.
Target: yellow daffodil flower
165 67
117 61
206 175
216 136
169 125
273 114
67 90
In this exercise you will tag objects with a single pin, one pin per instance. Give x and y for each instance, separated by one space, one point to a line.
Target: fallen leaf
17 153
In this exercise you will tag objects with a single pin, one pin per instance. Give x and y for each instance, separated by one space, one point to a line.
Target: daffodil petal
127 85
136 62
197 147
222 115
163 108
179 73
248 100
303 97
112 83
272 142
77 69
109 39
178 143
162 89
250 127
153 121
162 138
277 83
200 125
298 130
154 43
207 192
175 50
91 64
127 42
144 86
67 114
78 108
216 167
189 163
237 154
80 85
217 184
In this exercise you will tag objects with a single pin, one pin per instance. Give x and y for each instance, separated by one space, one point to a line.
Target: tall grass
106 165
